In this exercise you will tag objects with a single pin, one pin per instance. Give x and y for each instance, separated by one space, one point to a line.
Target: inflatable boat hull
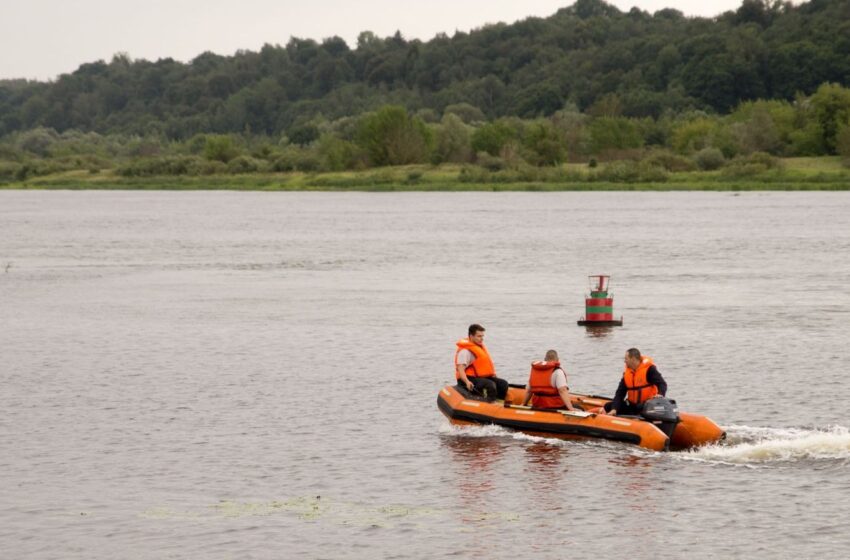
465 408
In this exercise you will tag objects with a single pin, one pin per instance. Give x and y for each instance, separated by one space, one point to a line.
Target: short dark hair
474 328
633 353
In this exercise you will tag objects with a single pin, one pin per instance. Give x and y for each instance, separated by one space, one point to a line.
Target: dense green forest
583 54
588 82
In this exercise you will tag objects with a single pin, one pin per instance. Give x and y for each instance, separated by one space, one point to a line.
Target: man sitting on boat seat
547 384
474 369
641 381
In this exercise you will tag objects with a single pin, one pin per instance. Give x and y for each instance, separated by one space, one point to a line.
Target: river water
254 375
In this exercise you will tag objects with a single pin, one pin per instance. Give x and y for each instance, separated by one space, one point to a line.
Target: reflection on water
636 481
598 332
546 472
543 456
474 458
638 484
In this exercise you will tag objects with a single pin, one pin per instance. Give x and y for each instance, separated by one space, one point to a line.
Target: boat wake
746 445
485 431
493 431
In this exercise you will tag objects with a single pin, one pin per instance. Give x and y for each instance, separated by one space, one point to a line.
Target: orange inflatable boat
686 430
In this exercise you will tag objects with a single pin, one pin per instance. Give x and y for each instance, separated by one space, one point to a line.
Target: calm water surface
254 375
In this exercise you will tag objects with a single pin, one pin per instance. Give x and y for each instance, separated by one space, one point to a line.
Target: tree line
588 84
752 135
590 56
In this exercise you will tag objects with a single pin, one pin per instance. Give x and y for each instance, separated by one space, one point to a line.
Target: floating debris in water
309 508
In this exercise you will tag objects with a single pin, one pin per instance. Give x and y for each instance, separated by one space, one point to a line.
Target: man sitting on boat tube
547 384
474 369
641 381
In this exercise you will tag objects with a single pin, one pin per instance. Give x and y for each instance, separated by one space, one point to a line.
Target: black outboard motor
662 412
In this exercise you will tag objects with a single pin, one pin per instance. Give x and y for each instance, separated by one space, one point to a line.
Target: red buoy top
598 285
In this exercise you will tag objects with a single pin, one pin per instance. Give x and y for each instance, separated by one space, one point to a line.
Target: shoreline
795 174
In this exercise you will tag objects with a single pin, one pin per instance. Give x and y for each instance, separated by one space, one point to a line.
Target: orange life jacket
543 394
639 390
481 366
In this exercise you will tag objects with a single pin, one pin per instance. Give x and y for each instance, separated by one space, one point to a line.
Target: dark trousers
626 408
489 387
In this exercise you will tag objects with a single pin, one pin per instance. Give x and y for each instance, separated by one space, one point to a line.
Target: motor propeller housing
662 412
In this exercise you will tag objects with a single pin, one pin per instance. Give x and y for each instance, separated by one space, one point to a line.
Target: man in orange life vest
641 381
474 369
547 384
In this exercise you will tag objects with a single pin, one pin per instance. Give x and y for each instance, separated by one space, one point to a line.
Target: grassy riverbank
821 173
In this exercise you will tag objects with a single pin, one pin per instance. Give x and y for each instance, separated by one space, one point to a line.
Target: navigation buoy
599 305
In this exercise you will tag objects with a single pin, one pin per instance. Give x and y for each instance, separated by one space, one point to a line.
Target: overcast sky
40 39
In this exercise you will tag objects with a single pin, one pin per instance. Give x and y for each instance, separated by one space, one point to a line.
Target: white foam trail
492 430
485 430
745 445
754 446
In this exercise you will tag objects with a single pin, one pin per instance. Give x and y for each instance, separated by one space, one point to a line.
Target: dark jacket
652 376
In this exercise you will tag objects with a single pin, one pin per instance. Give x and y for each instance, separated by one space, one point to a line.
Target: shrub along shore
761 144
759 172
